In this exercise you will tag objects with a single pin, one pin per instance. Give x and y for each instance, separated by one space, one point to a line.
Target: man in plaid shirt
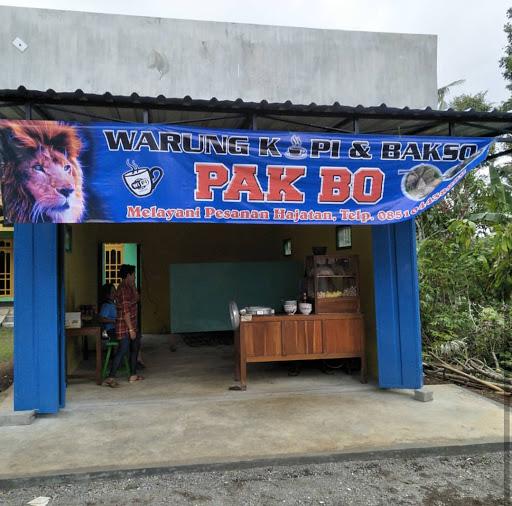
126 304
127 299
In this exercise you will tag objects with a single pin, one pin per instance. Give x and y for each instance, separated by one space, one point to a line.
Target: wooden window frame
108 247
6 246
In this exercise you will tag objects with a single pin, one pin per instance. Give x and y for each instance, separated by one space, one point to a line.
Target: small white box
19 44
73 320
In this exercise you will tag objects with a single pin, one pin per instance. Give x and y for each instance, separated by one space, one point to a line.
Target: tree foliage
477 102
506 59
442 93
465 261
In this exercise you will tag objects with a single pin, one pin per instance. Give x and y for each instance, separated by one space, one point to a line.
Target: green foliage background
465 257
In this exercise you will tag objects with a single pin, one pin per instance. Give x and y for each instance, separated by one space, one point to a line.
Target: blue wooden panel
26 388
397 306
37 348
409 305
61 319
386 307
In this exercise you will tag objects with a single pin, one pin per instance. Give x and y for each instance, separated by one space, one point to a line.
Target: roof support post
397 305
145 116
355 125
451 128
39 340
28 110
254 122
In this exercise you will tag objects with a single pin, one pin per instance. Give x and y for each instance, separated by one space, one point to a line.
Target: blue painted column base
397 305
38 315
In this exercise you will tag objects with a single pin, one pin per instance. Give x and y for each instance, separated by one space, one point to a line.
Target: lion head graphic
42 179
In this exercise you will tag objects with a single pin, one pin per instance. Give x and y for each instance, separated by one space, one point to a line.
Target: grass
6 345
6 353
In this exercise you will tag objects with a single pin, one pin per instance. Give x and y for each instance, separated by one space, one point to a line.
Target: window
113 260
6 269
343 237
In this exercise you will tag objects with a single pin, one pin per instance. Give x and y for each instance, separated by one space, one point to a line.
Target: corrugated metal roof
83 107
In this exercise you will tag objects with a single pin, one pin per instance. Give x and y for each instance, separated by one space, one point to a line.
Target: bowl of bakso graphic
421 181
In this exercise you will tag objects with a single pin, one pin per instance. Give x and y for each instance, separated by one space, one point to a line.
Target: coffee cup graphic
142 181
296 151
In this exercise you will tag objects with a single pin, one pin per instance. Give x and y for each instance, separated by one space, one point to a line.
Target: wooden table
299 337
85 332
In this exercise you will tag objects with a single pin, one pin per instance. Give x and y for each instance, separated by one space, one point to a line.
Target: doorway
114 254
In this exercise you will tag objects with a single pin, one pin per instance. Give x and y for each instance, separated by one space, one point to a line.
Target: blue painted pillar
397 305
39 376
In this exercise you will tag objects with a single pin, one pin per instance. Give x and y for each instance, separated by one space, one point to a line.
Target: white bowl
290 302
290 308
305 307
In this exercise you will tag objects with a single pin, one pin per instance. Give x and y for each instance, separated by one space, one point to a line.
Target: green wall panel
130 257
200 292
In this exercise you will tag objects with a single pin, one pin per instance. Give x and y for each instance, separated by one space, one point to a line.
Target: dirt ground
446 480
6 376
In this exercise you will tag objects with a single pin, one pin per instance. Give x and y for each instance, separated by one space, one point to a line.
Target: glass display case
332 283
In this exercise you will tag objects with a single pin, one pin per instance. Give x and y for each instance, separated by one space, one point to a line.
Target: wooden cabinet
301 337
333 283
342 336
263 339
298 337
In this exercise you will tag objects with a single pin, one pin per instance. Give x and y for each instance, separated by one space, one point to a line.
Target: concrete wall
152 56
163 244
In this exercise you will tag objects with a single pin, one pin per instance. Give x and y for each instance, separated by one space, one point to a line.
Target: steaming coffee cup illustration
142 181
296 151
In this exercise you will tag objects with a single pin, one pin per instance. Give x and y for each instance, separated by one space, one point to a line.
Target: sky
470 32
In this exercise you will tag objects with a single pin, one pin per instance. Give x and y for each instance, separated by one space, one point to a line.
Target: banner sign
69 173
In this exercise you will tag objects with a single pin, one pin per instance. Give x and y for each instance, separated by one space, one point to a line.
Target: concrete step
8 319
9 419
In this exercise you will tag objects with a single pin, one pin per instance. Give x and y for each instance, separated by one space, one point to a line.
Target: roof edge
22 95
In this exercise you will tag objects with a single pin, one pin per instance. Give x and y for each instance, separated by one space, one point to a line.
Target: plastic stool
111 345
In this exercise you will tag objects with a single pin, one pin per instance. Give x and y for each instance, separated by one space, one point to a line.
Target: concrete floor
184 414
205 371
